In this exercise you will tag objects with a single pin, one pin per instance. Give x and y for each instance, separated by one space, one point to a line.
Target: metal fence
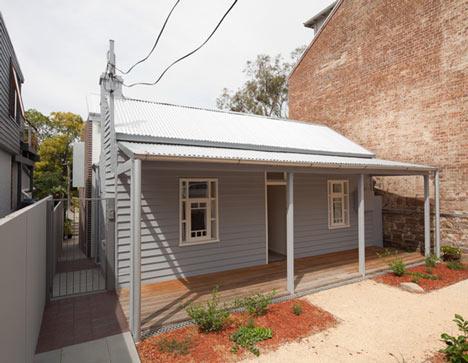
78 247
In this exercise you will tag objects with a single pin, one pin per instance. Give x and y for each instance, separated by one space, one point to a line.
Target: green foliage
56 134
297 309
256 305
456 350
398 267
422 275
431 261
177 347
455 265
248 336
67 227
415 279
209 317
266 90
451 253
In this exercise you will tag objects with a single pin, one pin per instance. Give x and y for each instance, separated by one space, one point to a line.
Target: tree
56 134
266 90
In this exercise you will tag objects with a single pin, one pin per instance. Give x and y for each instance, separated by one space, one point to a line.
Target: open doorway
276 208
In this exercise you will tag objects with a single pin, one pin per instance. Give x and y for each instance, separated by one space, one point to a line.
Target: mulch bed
215 347
446 277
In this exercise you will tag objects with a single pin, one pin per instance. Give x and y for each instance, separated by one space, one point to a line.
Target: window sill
339 226
197 243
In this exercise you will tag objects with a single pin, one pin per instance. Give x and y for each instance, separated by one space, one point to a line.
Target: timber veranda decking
165 302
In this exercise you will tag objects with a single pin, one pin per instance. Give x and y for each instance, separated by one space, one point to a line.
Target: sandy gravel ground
378 323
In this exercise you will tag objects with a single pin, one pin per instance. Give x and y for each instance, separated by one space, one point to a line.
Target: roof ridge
229 112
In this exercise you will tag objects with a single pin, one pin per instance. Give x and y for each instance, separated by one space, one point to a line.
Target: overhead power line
155 43
186 55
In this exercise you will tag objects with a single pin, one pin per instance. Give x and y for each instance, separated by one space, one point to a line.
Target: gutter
408 169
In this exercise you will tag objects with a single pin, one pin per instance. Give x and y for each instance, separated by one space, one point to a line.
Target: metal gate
80 246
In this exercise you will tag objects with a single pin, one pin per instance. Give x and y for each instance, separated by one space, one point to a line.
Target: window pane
337 210
198 219
213 209
213 229
184 232
213 189
275 176
184 190
198 189
183 211
336 188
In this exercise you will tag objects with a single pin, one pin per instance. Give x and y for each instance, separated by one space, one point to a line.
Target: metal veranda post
361 227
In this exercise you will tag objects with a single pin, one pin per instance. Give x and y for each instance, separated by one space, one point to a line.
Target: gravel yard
378 323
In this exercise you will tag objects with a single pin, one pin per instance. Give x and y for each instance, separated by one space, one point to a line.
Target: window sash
338 196
187 204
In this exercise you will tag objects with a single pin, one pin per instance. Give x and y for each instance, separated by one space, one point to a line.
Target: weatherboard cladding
157 122
242 224
215 153
9 128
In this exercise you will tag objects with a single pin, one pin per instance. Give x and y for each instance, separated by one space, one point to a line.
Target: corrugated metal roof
163 151
143 121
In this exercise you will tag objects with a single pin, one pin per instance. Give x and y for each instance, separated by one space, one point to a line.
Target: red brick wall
393 76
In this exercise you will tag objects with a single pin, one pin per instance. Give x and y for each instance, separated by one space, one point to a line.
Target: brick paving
80 319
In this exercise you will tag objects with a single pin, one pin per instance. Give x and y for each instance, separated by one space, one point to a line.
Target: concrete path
378 323
113 349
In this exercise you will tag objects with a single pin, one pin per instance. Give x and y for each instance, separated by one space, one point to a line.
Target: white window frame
185 223
344 202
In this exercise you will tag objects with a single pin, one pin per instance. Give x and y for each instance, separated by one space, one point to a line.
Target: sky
61 45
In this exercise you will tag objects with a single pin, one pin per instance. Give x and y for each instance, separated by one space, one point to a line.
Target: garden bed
445 277
196 346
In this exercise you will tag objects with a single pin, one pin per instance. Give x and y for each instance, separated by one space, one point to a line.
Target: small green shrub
256 305
422 275
297 309
248 336
398 267
451 253
455 265
415 279
387 252
456 350
179 347
431 261
210 317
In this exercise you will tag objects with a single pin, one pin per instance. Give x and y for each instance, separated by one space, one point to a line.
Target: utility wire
186 55
155 43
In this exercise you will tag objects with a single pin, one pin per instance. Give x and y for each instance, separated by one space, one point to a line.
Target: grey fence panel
23 237
78 258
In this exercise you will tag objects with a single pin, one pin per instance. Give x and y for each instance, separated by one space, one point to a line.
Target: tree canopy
266 90
56 133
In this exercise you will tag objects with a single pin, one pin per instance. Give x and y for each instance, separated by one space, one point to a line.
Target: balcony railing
30 139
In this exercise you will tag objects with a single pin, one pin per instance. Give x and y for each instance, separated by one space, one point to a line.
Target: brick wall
393 76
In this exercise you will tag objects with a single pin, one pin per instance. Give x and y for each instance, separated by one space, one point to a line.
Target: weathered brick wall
393 76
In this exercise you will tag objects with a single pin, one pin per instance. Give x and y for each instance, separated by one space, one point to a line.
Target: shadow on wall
403 221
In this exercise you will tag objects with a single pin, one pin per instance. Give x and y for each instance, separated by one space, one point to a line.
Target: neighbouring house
18 143
200 191
392 76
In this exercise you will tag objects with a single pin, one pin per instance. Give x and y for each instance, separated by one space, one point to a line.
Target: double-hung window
338 203
198 211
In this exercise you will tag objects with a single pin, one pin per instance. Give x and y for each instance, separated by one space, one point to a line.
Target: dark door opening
276 201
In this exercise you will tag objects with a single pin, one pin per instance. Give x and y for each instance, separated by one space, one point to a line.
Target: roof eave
407 170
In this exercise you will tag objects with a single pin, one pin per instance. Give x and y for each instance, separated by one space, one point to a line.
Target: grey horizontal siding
241 225
311 233
241 222
9 128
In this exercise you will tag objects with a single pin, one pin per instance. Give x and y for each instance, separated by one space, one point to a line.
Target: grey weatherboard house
17 140
199 191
